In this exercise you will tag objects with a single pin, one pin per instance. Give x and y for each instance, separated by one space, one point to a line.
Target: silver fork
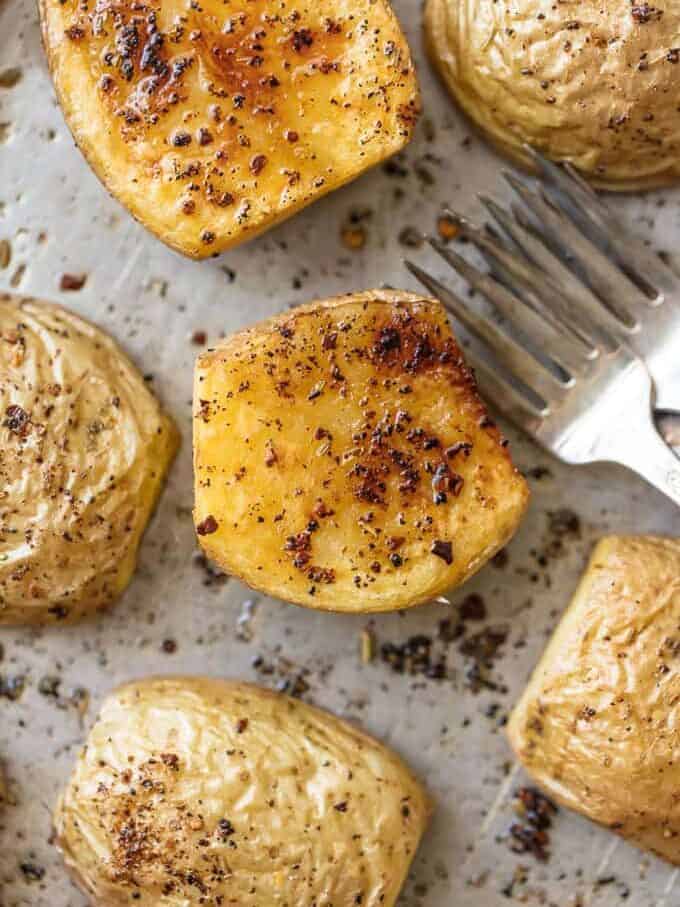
639 295
570 379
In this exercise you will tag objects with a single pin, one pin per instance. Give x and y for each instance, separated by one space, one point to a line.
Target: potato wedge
595 84
597 726
211 122
343 459
199 791
84 448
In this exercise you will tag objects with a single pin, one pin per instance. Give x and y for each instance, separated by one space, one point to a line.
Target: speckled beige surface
591 83
176 617
192 787
597 726
84 449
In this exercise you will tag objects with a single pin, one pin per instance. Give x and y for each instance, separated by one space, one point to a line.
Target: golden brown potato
597 727
593 83
199 791
343 459
211 122
84 447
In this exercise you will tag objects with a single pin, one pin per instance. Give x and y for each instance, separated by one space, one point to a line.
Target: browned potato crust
343 458
213 121
196 791
597 727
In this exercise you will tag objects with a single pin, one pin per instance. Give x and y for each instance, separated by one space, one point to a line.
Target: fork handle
650 457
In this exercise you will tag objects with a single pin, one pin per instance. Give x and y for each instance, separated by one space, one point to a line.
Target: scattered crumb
72 282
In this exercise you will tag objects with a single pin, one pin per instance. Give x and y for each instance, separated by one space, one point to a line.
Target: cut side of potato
344 460
597 726
211 122
194 791
84 449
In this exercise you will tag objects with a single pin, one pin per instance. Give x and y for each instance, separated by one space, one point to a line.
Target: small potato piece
198 791
592 83
213 121
84 447
343 459
597 726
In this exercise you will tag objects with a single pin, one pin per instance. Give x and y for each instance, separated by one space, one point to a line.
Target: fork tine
610 284
544 335
603 224
576 303
535 270
523 282
519 362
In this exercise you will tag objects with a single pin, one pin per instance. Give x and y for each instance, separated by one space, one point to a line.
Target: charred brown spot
300 546
180 139
389 338
411 345
302 39
442 549
207 526
323 575
270 456
462 448
17 420
258 163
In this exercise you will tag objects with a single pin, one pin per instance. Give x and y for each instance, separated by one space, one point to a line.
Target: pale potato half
84 448
597 726
343 458
592 83
197 791
213 121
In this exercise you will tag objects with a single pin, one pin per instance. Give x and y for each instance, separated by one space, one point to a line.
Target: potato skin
597 726
84 448
343 459
211 122
592 83
201 791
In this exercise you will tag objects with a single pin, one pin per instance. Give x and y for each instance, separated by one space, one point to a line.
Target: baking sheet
178 617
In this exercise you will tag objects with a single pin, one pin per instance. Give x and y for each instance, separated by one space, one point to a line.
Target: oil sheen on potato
212 121
344 460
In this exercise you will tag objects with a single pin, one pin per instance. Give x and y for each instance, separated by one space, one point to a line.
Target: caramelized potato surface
196 791
212 121
597 726
343 458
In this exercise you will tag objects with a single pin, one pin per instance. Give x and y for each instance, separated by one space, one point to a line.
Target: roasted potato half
597 727
343 459
592 83
211 122
84 447
197 791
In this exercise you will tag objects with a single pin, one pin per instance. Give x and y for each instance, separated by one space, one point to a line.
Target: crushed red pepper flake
207 526
442 549
72 282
